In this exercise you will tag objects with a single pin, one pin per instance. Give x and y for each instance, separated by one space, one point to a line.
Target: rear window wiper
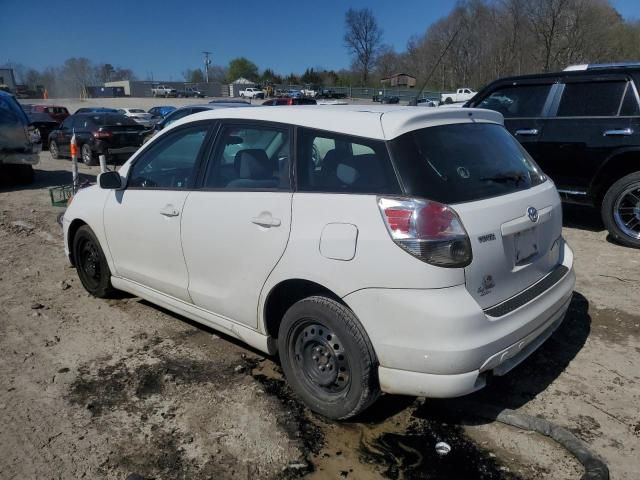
506 177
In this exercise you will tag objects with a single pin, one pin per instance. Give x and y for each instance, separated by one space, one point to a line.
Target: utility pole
207 62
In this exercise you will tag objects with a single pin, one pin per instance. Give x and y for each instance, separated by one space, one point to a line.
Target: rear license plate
525 245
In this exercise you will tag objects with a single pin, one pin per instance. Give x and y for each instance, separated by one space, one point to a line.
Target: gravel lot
101 389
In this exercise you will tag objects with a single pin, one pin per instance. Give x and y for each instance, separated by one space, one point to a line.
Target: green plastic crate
60 195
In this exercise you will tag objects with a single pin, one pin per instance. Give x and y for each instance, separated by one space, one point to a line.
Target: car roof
593 70
370 121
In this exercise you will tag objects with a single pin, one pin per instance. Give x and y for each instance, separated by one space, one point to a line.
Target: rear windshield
112 119
10 112
463 163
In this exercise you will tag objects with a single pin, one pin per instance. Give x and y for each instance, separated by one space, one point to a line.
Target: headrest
254 164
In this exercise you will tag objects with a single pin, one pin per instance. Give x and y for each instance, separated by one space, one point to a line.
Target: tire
621 210
53 150
448 100
242 95
88 158
91 264
327 358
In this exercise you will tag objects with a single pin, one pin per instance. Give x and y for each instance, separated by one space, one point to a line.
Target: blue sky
166 37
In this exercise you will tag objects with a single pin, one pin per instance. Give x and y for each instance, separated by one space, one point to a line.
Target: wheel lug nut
315 357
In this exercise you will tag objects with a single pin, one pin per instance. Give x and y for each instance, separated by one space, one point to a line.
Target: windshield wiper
506 177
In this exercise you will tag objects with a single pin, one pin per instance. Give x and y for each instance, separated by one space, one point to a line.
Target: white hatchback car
402 250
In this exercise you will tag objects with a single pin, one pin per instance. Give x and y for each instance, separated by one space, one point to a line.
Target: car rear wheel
88 158
53 150
327 358
621 210
91 264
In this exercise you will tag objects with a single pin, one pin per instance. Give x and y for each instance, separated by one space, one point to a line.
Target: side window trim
555 100
624 96
213 148
631 85
197 165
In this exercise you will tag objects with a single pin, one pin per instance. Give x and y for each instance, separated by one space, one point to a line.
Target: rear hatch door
510 211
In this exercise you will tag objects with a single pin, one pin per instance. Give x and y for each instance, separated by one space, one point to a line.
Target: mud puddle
396 439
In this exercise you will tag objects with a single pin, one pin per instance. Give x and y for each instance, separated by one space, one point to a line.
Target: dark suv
582 126
110 134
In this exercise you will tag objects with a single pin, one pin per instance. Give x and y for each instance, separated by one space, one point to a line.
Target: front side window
251 157
171 162
463 163
342 164
591 99
519 101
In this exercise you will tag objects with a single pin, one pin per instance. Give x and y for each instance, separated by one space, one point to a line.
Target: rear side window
250 157
343 164
463 163
519 101
591 99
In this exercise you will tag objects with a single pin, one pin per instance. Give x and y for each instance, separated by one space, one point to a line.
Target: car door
142 221
585 128
524 106
235 228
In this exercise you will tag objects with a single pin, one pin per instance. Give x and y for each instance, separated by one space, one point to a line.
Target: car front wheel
621 210
327 358
91 264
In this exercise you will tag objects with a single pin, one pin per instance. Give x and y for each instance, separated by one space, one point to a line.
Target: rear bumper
439 343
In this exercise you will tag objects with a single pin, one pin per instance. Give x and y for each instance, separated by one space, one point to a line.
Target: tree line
488 39
477 42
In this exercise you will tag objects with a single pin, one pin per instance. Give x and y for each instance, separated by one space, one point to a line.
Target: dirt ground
123 389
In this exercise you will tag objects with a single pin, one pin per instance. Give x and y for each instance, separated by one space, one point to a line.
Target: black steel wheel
327 358
91 264
621 210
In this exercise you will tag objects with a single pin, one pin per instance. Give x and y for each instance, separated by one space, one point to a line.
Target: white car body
460 95
139 116
216 256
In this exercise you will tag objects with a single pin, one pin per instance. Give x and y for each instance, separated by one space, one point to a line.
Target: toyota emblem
533 214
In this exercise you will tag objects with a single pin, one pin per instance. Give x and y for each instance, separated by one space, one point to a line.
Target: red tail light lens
427 230
100 134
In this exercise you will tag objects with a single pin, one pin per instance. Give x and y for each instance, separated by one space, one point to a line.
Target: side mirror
110 180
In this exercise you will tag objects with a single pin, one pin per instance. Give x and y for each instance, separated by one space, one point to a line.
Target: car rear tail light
100 134
427 230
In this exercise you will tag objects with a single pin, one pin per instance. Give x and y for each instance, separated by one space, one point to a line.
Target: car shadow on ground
582 217
47 179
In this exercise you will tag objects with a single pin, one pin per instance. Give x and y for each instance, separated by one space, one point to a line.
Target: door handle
619 132
266 221
169 211
527 132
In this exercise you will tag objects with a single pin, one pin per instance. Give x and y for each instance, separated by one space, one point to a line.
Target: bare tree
363 38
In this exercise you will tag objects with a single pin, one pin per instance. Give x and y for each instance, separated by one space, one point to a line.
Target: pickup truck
460 95
164 91
190 92
252 92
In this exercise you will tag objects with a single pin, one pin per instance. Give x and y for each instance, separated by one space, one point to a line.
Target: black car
582 126
110 134
45 124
